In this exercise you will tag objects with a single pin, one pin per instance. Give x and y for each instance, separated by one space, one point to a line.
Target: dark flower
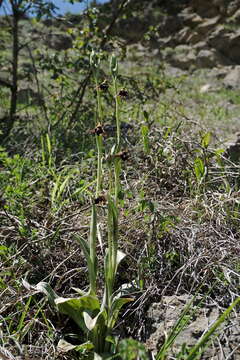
123 155
123 94
98 130
100 199
103 86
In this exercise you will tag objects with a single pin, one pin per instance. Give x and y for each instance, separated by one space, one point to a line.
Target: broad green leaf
206 140
103 356
199 168
91 322
85 346
98 357
3 250
74 307
89 250
112 230
64 346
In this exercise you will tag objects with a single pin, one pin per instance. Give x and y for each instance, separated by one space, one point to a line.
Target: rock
209 59
206 8
168 25
235 18
183 57
233 47
189 18
201 45
188 36
219 38
232 79
205 88
164 315
227 43
219 73
194 38
58 41
174 71
233 6
132 29
165 42
207 25
183 35
205 59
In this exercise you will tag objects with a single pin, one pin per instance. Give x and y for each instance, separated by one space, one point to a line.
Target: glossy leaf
74 308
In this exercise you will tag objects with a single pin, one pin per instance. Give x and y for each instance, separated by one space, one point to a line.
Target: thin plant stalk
94 63
110 263
117 171
118 126
99 164
117 162
99 141
92 251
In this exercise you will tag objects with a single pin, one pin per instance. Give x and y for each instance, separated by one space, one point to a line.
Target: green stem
117 114
100 113
99 164
117 162
117 170
99 141
92 246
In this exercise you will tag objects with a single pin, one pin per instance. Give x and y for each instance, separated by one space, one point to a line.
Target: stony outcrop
201 34
58 41
163 316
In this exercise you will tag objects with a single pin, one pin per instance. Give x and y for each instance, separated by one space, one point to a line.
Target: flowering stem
117 114
99 140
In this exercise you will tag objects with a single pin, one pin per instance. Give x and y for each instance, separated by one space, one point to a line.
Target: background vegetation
105 156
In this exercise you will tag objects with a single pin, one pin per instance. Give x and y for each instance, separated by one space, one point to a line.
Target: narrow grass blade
181 323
